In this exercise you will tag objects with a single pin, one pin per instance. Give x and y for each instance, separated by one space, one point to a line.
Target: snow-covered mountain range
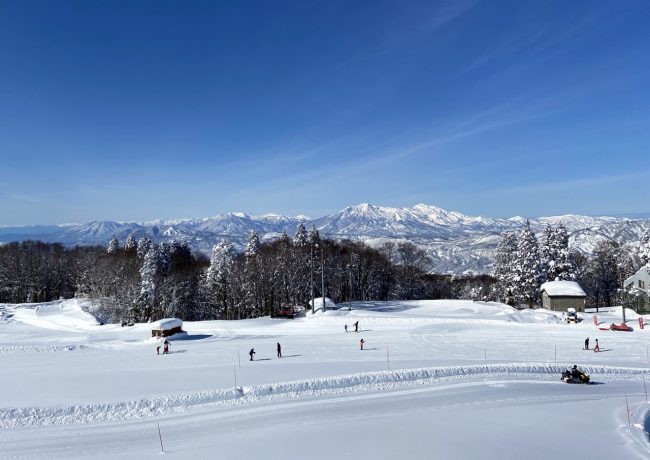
455 242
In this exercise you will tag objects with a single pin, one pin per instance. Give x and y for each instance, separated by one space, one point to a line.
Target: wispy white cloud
558 186
536 45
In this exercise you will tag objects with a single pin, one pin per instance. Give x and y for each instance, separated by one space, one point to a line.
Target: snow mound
368 381
318 302
62 314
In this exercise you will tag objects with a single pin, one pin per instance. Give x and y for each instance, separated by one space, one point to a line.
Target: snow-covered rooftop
562 289
167 324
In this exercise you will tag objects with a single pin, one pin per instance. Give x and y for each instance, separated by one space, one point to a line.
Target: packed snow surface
562 288
443 379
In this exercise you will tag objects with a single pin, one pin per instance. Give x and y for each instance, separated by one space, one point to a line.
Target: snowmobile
574 376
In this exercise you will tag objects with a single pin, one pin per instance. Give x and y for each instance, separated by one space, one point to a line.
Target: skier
361 342
158 350
587 343
251 353
597 347
279 350
166 347
356 326
346 328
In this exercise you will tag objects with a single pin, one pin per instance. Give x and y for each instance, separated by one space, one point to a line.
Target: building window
641 284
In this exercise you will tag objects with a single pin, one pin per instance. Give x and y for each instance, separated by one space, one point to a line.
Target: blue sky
134 110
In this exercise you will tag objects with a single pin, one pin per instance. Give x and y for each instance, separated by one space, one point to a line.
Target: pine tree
285 242
144 244
547 253
301 238
504 263
131 244
644 250
252 279
148 275
253 245
113 246
563 267
219 278
313 237
528 270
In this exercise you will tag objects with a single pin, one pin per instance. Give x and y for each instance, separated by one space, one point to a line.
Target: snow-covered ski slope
437 379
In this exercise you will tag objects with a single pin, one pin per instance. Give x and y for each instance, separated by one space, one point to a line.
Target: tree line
139 281
522 264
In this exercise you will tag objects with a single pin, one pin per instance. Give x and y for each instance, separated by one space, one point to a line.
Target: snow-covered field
437 379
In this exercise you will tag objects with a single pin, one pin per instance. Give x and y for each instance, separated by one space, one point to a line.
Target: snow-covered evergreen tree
131 244
164 255
528 269
113 246
285 242
504 264
562 267
253 245
148 275
219 279
644 249
301 238
556 258
313 237
251 279
144 244
547 252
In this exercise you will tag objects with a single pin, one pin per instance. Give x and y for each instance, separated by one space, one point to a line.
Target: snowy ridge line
23 417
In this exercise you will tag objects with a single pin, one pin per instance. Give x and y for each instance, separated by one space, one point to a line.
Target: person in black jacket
251 353
279 350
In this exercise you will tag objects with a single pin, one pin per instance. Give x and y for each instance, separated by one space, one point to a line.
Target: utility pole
311 271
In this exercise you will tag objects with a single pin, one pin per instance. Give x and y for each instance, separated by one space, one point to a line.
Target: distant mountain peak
454 241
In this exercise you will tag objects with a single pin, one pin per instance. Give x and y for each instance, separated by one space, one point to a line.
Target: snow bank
61 314
369 381
318 302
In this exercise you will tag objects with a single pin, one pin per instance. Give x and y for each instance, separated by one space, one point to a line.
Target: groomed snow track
369 381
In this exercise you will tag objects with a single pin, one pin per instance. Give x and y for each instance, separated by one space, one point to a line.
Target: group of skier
166 346
278 349
356 327
596 348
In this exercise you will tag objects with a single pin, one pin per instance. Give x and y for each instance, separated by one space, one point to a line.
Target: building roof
167 324
562 289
